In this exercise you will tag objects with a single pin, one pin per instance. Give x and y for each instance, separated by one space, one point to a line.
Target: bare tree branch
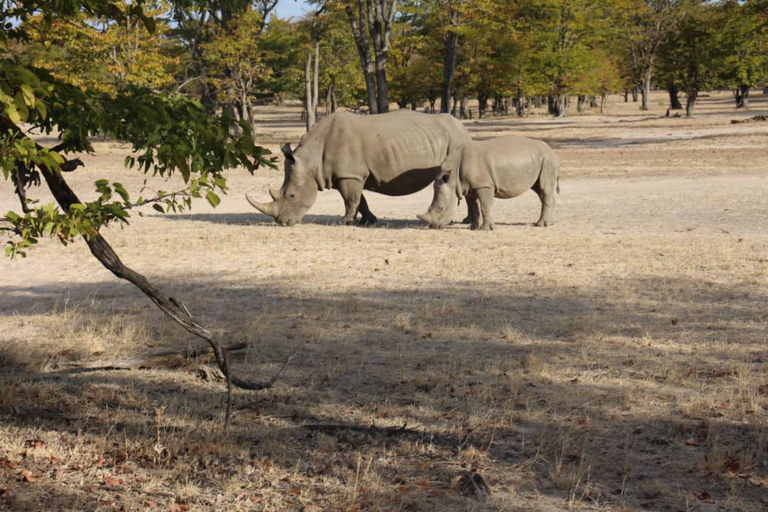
106 255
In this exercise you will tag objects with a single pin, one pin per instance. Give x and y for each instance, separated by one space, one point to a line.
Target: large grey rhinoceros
394 154
503 168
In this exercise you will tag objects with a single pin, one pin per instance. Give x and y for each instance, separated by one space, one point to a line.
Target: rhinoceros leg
485 197
546 192
473 205
368 219
352 193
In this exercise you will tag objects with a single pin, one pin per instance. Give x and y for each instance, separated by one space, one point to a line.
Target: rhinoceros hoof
466 220
543 223
487 227
368 221
474 227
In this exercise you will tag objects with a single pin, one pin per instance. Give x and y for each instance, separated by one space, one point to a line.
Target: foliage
104 54
694 55
745 40
168 133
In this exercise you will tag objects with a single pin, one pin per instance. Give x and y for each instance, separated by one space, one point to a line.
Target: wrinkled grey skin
500 168
395 154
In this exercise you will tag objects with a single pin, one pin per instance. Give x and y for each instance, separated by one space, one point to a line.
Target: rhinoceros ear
288 152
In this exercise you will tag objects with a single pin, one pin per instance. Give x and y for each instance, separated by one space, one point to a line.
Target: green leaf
158 208
121 191
41 108
212 198
28 94
13 114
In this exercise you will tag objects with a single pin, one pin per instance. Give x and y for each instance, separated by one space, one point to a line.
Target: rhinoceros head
447 190
297 195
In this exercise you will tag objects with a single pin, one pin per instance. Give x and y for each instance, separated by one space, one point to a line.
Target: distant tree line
509 55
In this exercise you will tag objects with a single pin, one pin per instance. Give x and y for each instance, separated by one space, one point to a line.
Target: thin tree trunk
645 88
674 98
603 98
520 103
463 107
308 107
690 102
316 91
449 60
483 105
364 50
634 94
580 103
742 97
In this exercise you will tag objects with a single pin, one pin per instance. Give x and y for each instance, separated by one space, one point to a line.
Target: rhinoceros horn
426 217
275 193
266 208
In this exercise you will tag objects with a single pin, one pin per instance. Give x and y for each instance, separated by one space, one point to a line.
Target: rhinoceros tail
558 184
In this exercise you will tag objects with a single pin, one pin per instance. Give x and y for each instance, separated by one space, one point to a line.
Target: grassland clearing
614 361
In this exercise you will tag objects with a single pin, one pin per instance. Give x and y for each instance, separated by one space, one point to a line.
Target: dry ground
614 361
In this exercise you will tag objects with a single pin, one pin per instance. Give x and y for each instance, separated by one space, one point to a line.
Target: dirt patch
613 361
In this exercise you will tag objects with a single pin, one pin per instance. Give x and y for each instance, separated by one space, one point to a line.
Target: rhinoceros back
514 163
395 154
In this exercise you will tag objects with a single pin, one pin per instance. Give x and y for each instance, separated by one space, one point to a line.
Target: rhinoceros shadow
256 219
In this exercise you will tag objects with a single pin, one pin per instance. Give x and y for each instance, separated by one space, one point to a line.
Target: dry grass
615 361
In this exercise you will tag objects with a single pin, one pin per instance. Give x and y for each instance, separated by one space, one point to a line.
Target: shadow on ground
564 394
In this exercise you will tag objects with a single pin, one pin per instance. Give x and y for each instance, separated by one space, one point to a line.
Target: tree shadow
449 377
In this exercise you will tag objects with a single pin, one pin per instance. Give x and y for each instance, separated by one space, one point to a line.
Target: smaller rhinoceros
504 168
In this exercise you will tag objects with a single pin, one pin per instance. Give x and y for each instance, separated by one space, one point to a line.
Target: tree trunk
634 94
674 99
449 59
463 107
364 50
603 97
483 107
382 87
580 103
690 102
308 103
645 88
742 97
330 97
380 17
520 103
316 85
626 96
558 105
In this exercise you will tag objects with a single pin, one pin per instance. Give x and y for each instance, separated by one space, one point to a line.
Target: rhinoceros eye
446 177
292 195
